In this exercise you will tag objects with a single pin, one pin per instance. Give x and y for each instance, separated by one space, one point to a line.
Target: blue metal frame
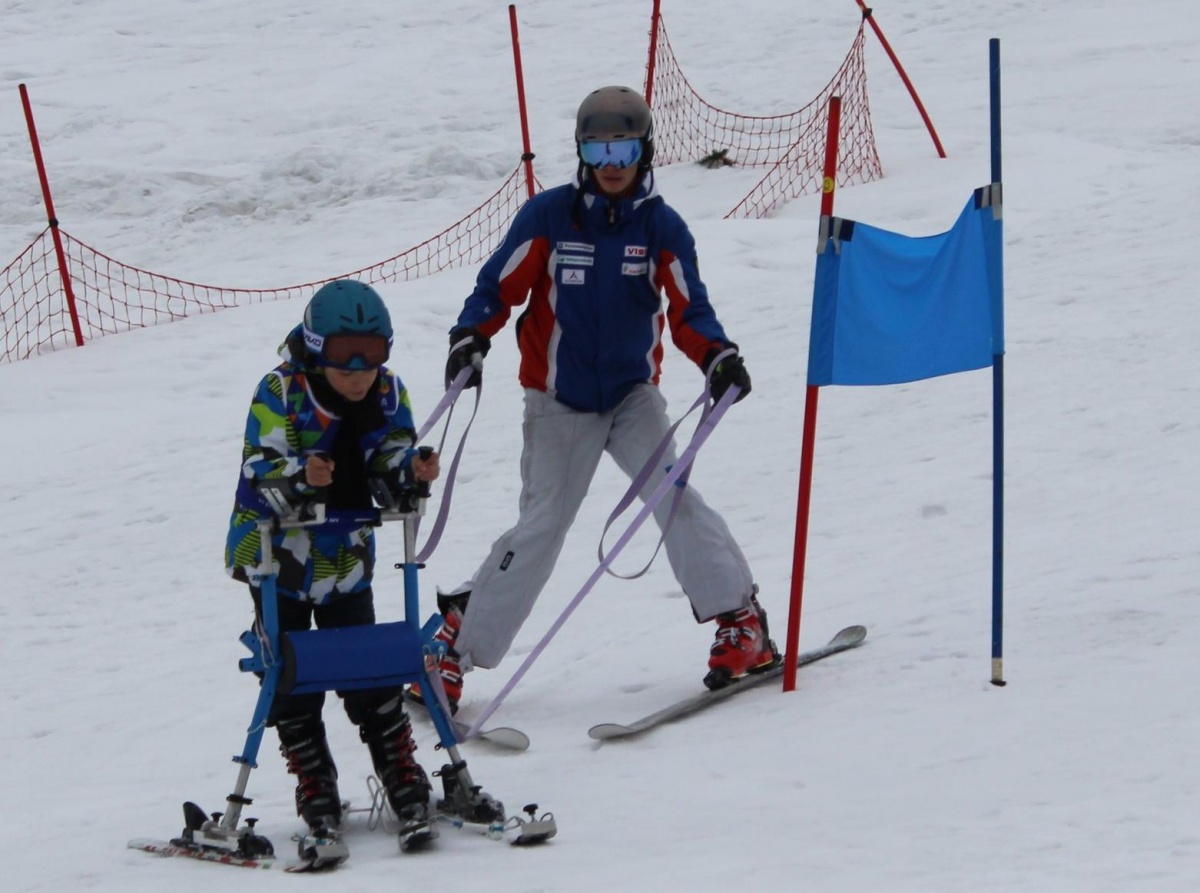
266 645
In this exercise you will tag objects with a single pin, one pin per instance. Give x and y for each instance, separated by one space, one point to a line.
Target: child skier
326 420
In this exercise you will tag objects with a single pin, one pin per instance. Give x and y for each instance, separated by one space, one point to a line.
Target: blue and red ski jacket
595 272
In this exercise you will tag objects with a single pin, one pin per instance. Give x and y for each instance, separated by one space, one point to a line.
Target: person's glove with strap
467 349
729 370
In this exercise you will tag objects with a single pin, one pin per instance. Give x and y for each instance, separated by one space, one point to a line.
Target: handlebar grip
423 488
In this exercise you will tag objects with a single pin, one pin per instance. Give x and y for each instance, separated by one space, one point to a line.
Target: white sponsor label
577 246
635 250
574 260
572 276
634 269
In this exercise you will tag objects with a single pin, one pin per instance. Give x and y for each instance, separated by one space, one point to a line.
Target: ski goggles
615 153
346 350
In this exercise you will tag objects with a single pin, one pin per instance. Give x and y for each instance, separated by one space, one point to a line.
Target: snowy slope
270 143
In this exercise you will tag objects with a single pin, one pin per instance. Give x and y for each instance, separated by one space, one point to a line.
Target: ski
533 829
503 737
413 836
518 831
220 857
850 637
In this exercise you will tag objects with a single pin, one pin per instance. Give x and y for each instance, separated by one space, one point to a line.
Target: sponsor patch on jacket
575 260
577 246
572 276
628 269
635 250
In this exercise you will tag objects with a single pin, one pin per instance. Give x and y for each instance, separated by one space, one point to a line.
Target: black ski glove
729 371
467 349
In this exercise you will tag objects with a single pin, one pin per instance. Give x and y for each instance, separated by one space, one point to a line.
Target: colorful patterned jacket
286 423
595 272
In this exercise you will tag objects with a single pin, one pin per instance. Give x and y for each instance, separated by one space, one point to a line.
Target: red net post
789 146
655 17
809 446
868 16
64 272
527 154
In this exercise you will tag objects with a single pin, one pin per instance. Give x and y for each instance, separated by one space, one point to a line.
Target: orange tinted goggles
347 351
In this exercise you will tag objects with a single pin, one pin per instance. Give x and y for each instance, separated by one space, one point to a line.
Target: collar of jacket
601 209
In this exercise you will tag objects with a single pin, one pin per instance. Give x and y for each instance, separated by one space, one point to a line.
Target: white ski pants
561 453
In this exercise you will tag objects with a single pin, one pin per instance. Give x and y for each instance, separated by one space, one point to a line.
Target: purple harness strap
446 404
640 479
708 422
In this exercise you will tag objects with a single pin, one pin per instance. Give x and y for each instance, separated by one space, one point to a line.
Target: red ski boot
743 645
449 665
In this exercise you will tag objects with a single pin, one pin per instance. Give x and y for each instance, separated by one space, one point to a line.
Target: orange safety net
792 145
111 296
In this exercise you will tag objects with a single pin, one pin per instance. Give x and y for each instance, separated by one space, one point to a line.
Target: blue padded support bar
350 657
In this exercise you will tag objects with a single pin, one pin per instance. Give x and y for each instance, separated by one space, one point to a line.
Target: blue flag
889 308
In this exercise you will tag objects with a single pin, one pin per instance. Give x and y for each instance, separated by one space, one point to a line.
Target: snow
263 144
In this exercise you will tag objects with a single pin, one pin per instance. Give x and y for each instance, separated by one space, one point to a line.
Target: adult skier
595 259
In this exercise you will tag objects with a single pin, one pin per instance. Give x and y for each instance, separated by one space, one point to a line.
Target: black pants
346 610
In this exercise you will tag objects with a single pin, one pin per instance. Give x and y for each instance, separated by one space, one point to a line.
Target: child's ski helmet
347 308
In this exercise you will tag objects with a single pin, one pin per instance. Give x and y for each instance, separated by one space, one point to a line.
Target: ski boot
302 742
452 608
388 736
743 645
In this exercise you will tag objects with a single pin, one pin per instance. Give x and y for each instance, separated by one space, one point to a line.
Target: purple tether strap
649 469
447 403
705 427
640 480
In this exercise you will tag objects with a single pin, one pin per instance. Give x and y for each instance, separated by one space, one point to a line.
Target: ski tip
501 736
509 739
849 637
606 730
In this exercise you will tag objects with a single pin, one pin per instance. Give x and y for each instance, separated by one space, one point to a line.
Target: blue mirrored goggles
616 153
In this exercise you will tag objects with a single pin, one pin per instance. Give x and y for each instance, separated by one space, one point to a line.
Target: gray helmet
612 113
616 113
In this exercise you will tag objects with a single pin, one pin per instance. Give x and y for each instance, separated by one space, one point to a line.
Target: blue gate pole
997 391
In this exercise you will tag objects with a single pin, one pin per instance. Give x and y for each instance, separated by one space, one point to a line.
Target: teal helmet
347 326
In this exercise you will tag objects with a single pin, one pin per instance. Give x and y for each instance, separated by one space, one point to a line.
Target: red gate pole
808 449
59 253
912 91
655 15
526 155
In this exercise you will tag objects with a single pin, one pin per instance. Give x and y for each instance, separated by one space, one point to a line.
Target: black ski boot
388 735
302 743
